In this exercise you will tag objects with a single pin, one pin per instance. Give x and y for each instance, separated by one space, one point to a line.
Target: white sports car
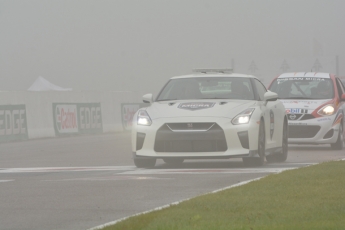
210 115
315 107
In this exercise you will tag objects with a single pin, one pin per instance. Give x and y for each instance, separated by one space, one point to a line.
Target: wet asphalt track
82 182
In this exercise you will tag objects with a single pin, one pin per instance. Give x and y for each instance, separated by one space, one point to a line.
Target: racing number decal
271 123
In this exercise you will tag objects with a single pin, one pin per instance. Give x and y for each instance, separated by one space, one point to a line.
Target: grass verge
307 198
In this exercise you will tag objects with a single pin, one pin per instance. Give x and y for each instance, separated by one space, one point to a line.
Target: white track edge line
171 204
6 180
177 202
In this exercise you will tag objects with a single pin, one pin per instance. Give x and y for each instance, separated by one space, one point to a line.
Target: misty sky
138 45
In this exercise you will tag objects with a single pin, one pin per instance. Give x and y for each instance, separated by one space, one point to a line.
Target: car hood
212 108
294 106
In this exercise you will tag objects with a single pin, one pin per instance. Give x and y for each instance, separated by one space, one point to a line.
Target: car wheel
249 161
258 161
173 161
340 141
145 163
282 156
272 158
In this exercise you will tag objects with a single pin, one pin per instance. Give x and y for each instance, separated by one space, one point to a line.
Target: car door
273 114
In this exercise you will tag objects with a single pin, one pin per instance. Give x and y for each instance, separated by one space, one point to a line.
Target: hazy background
138 45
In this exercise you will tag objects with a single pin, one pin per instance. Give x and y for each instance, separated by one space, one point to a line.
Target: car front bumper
322 130
222 140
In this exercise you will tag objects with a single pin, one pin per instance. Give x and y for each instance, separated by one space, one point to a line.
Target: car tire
173 161
282 155
340 141
249 161
272 158
258 161
145 163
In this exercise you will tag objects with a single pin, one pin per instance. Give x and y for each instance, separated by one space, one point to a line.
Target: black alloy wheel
340 141
282 155
258 161
261 144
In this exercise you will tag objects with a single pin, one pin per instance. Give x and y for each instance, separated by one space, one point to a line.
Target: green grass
307 198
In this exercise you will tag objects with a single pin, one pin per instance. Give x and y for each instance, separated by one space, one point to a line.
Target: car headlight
327 110
243 117
143 118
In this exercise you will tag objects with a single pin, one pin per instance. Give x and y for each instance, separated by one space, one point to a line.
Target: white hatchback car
210 114
315 107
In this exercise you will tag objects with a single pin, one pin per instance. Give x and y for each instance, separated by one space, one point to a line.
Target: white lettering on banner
82 118
90 118
15 127
87 118
2 122
22 120
93 113
66 118
8 121
12 122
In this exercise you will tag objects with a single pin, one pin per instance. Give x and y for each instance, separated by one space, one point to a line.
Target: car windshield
207 88
303 88
343 82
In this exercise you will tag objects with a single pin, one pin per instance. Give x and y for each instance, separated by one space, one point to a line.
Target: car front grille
190 137
300 116
307 117
296 131
202 126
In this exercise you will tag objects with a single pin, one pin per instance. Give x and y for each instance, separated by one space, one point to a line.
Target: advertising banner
77 118
13 123
127 112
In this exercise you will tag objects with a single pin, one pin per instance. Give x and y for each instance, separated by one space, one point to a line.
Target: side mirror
342 97
148 98
270 96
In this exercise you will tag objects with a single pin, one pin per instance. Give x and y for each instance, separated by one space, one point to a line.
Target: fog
138 45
